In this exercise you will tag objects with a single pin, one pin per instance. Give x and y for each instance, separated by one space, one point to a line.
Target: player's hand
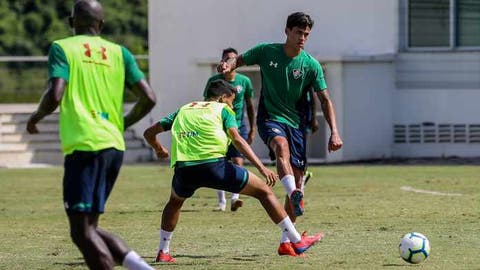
334 143
270 176
162 153
32 127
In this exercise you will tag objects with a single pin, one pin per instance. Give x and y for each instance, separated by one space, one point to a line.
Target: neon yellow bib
91 110
197 132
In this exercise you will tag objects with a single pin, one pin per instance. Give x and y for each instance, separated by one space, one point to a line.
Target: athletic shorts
222 174
232 152
89 178
269 129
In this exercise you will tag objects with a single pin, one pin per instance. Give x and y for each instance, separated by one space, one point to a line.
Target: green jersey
199 132
244 89
91 109
283 81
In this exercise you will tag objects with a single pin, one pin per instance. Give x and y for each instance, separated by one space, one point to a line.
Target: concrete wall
186 37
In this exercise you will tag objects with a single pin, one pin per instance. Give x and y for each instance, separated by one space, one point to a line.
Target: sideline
406 188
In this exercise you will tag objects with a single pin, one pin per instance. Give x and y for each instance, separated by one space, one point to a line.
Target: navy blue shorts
295 137
222 174
89 178
232 152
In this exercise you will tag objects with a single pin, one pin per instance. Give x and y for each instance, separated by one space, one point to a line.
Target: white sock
165 238
134 262
289 229
288 182
235 196
285 238
221 197
302 187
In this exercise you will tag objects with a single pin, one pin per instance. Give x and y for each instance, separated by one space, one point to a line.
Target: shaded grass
360 208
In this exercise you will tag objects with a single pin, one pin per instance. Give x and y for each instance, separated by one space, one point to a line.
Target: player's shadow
394 265
235 260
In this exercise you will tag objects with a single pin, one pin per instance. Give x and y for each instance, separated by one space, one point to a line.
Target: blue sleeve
133 74
57 63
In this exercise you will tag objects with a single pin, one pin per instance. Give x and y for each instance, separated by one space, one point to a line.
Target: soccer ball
414 247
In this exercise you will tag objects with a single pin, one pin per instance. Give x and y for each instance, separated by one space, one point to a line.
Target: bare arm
150 135
335 142
251 119
247 151
146 101
230 64
48 103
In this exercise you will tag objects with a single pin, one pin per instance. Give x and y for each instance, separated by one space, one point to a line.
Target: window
443 23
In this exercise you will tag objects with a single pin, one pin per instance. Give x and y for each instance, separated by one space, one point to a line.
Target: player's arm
136 82
145 103
335 142
242 146
251 119
58 75
48 103
150 134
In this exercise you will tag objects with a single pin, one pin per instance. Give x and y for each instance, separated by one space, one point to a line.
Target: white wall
183 34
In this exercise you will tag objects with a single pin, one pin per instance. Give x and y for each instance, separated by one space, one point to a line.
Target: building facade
404 75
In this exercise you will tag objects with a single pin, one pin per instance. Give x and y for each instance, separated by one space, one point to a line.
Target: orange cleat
164 257
286 248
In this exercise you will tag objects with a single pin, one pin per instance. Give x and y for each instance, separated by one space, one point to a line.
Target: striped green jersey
283 80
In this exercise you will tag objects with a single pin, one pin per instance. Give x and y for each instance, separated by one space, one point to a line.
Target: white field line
405 188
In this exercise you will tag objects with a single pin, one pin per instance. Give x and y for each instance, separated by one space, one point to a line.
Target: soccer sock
165 238
302 187
289 230
288 182
221 197
133 261
285 238
235 196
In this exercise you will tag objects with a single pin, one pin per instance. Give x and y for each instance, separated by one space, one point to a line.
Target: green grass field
362 210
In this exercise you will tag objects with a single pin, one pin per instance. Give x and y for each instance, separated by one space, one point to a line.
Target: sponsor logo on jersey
272 64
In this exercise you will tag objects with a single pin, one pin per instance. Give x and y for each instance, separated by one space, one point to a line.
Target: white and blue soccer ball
414 247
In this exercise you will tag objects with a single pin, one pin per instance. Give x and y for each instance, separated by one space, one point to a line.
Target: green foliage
28 27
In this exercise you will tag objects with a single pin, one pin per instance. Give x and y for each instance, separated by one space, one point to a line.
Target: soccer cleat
307 176
235 204
296 198
221 207
306 242
287 249
164 257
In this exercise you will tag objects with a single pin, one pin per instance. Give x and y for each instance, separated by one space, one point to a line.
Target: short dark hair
229 50
220 87
299 19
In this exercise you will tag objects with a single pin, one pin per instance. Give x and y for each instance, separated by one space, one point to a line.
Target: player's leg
171 212
235 201
257 188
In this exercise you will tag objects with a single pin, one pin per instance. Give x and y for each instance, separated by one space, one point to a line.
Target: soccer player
201 132
243 97
87 76
286 70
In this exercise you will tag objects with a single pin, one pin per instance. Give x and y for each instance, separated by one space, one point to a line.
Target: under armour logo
273 64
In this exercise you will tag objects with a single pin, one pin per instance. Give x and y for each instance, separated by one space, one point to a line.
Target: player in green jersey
286 71
201 133
243 97
87 78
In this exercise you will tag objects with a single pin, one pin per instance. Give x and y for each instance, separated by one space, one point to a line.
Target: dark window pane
468 24
429 23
